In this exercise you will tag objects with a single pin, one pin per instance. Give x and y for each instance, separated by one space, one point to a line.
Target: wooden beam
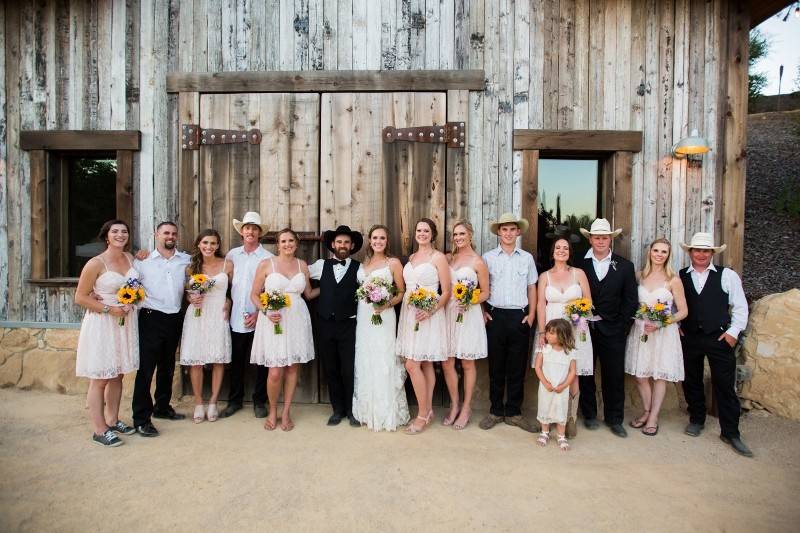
80 140
530 199
326 81
38 228
578 140
622 205
124 196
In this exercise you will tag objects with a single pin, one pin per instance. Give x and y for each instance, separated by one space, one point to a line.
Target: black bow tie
336 261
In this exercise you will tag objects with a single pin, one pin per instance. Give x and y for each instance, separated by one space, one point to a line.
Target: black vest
337 301
609 296
708 311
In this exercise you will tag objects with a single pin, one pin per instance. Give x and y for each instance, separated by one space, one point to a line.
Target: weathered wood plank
117 72
638 87
15 188
457 161
38 227
580 88
304 147
105 61
622 58
199 28
316 36
4 169
609 106
301 35
325 81
550 72
274 187
80 140
650 117
188 172
61 68
432 11
713 111
243 34
566 65
163 180
242 174
664 86
522 60
124 189
417 31
508 187
578 140
359 41
529 208
623 166
733 175
344 37
214 36
597 83
536 53
461 34
680 119
330 35
490 170
446 35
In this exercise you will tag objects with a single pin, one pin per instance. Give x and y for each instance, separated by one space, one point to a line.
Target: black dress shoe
693 430
229 410
737 445
260 411
591 423
353 422
169 414
334 419
618 430
147 430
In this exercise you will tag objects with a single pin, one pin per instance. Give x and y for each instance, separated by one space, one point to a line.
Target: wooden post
38 161
530 198
623 208
124 190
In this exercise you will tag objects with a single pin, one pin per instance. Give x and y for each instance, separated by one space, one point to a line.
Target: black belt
148 311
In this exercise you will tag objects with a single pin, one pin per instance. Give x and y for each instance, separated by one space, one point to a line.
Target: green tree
759 48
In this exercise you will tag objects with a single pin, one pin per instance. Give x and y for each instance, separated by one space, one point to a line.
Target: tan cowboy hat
251 217
601 226
703 241
509 218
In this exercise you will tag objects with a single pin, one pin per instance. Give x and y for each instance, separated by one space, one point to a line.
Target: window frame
615 151
47 149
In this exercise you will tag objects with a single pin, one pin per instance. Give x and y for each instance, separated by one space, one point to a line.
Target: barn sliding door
365 181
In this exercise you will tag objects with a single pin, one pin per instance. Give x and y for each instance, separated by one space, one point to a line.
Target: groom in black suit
336 324
614 295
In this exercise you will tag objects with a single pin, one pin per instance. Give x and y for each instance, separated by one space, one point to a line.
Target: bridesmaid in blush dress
106 349
426 268
283 352
467 339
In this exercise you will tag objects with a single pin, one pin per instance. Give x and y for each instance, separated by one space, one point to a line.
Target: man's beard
342 253
169 245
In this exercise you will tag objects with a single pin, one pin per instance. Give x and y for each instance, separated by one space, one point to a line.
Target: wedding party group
248 307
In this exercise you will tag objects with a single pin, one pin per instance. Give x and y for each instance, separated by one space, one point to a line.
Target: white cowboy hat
509 218
703 241
251 217
600 226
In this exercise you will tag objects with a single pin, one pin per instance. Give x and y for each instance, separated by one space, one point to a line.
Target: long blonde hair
648 265
469 229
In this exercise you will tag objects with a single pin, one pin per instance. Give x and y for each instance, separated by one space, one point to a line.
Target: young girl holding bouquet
206 338
555 368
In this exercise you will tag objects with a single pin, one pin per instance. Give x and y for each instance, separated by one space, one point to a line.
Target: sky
784 40
575 180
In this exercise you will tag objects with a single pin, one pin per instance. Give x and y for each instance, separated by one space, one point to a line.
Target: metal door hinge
193 136
453 134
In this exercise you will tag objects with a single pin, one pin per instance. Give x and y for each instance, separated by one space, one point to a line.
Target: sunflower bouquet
659 314
378 292
199 284
131 293
424 300
466 293
274 300
579 312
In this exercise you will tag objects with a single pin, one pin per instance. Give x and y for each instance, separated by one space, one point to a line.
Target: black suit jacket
615 298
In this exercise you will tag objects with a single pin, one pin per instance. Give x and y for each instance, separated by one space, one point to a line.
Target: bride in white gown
379 396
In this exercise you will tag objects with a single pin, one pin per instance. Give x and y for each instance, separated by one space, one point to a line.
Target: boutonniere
614 265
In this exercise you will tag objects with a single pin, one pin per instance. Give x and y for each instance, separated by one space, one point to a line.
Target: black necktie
343 262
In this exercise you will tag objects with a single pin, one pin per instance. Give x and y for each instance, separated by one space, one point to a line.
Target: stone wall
44 359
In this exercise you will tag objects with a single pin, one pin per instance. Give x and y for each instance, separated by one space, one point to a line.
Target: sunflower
200 279
476 294
659 307
287 300
584 305
459 290
263 298
140 293
126 296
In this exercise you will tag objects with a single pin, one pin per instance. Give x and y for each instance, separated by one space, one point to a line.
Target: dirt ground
232 475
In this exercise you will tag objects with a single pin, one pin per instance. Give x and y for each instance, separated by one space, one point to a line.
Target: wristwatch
105 309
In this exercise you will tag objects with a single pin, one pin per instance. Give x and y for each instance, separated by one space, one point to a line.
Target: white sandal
213 414
543 439
563 444
199 414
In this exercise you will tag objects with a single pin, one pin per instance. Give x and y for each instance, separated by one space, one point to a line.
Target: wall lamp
693 145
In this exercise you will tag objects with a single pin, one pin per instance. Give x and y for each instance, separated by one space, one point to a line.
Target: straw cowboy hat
355 236
601 226
703 241
509 218
251 217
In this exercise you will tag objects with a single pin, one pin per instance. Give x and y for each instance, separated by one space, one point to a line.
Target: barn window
79 179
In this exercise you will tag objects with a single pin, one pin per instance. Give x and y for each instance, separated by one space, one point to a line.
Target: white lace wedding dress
379 397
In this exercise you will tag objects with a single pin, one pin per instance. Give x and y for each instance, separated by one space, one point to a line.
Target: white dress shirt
244 271
510 275
339 270
600 265
163 279
732 286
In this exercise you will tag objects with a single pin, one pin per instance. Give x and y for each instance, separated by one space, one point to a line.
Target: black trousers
609 350
159 336
508 342
241 344
721 359
336 344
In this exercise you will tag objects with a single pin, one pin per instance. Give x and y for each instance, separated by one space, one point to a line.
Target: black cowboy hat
355 236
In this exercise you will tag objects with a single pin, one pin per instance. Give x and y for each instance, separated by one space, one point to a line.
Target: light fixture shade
691 145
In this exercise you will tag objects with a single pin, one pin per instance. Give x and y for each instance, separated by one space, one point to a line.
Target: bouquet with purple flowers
378 292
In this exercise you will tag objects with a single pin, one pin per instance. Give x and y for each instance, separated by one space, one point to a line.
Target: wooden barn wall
663 67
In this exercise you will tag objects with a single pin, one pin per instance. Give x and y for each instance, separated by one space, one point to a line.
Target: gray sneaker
122 428
107 439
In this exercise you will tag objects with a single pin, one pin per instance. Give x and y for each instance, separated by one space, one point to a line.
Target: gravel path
771 258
